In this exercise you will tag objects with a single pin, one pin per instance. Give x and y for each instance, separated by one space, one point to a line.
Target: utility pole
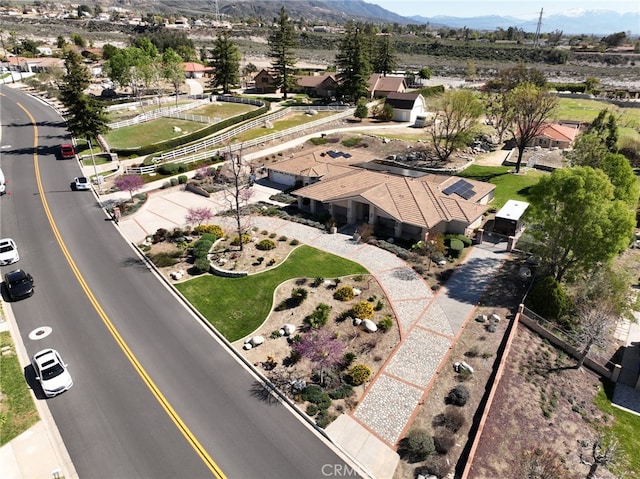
537 37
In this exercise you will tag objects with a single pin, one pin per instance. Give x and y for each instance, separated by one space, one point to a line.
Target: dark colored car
67 151
19 284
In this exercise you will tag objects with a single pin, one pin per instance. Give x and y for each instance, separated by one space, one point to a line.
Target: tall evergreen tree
282 41
386 59
225 62
353 61
86 117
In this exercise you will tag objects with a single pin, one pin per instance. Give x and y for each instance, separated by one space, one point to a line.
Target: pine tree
353 62
225 62
281 44
86 117
386 59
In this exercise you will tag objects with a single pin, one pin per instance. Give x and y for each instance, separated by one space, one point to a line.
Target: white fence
155 114
202 155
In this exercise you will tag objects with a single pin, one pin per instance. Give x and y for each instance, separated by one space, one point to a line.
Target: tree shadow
265 392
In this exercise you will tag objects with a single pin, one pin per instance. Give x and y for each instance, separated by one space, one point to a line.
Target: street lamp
95 168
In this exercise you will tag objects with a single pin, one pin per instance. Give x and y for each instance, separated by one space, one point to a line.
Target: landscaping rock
257 340
247 346
495 318
289 329
357 292
481 318
370 326
357 321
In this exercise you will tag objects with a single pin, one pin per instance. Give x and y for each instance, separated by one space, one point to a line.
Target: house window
264 80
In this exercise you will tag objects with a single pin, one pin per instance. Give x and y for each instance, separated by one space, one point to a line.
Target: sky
505 8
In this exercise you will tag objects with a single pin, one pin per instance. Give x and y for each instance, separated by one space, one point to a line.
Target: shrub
416 446
548 299
444 439
316 395
182 179
275 334
385 324
265 245
344 391
348 359
160 235
453 419
174 181
272 235
465 240
298 295
168 169
323 419
362 310
201 248
201 265
162 260
318 141
212 229
434 465
351 142
359 374
312 410
283 238
294 242
245 239
458 396
317 281
344 294
319 316
208 237
379 305
456 247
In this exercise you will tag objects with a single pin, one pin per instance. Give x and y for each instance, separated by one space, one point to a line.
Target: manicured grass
288 122
150 132
135 110
625 428
221 110
237 306
17 411
575 109
508 185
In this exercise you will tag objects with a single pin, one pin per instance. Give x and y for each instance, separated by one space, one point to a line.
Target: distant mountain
597 22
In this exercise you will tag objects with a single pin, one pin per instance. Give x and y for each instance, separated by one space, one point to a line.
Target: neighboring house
402 206
407 106
94 53
319 86
265 82
195 70
508 219
34 65
554 135
380 86
46 51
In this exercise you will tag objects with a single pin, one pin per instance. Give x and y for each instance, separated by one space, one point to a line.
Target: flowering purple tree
322 348
197 216
130 183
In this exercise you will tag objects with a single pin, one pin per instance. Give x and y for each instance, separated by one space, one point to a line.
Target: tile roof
193 67
313 81
558 132
416 201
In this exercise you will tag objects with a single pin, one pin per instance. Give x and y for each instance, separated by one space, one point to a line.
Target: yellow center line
209 462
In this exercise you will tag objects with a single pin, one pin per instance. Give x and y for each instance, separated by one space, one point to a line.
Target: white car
81 183
8 252
51 372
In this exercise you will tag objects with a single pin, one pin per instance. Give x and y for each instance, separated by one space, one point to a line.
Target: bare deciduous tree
596 321
239 193
541 463
604 450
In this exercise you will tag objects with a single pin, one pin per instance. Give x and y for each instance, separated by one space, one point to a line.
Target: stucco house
195 70
555 135
408 207
406 106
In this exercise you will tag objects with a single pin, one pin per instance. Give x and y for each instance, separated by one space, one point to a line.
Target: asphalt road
156 395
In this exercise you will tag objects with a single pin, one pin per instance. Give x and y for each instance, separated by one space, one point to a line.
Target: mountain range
596 22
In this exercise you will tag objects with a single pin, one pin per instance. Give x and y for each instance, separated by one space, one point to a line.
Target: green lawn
221 110
150 132
508 185
135 110
575 109
279 125
237 306
17 411
625 428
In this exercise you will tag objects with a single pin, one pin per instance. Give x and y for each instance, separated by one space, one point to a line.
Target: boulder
257 340
177 129
247 346
495 318
481 318
357 292
289 329
369 326
357 321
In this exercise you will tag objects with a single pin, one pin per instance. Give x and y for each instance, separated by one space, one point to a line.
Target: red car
67 151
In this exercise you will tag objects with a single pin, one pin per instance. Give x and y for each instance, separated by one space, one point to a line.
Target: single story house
265 82
403 206
406 106
311 167
508 220
322 86
380 86
555 135
195 70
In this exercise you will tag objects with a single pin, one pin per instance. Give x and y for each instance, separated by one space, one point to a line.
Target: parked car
3 186
81 183
19 284
67 151
8 252
51 372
